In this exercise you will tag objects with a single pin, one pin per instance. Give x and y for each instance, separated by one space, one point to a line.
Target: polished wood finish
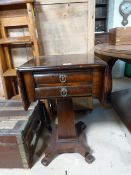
62 65
67 78
69 131
120 36
121 102
61 78
61 91
122 52
110 54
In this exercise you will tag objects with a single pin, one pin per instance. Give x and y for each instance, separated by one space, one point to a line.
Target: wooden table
61 78
121 100
110 54
122 52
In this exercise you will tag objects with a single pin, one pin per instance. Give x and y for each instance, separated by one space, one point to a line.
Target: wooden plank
32 30
10 73
47 2
14 21
65 28
24 39
91 30
9 2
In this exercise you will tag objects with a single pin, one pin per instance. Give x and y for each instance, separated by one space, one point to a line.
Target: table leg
67 137
110 63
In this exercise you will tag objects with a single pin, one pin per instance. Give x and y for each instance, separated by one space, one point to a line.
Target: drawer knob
62 78
63 92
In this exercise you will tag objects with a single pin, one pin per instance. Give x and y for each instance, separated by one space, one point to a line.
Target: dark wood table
121 100
112 53
61 78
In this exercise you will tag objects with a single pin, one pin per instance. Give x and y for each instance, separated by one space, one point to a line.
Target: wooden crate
19 133
120 36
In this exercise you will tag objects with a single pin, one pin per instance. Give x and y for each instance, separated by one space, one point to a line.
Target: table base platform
59 146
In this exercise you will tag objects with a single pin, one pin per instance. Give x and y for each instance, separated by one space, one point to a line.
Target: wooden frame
12 16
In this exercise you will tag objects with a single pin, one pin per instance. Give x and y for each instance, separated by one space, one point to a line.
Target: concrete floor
108 138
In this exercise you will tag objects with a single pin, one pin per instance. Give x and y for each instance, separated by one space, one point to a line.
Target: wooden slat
14 21
13 40
91 30
51 2
10 73
9 2
12 13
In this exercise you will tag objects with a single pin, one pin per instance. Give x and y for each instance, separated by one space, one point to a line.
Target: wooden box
19 133
120 36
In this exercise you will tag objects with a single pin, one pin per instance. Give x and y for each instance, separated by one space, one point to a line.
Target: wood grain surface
121 51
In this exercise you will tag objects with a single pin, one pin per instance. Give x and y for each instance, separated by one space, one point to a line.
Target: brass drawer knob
62 78
63 92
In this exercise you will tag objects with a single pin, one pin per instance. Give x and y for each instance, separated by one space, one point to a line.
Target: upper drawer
74 77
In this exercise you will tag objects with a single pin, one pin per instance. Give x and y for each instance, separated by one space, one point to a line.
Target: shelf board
10 2
10 73
100 18
101 32
15 40
101 5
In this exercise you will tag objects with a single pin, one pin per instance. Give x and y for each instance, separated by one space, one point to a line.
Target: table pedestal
67 137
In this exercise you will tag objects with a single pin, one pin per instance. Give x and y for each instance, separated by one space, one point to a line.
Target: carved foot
47 159
89 158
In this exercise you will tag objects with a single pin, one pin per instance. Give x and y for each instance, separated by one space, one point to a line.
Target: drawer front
64 91
41 79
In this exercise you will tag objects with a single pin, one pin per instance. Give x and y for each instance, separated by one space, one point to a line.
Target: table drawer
62 78
64 91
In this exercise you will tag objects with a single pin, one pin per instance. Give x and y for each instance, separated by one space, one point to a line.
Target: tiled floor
108 138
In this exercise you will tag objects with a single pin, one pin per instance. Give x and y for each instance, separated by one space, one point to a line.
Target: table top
79 61
121 51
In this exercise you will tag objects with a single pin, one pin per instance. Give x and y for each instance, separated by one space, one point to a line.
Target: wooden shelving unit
101 35
101 15
15 14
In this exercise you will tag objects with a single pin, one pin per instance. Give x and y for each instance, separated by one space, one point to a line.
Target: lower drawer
64 91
